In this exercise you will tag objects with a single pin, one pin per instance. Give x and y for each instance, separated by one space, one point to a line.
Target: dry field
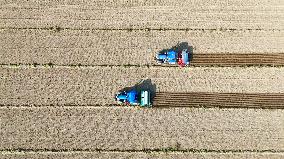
121 47
139 14
125 128
28 85
61 62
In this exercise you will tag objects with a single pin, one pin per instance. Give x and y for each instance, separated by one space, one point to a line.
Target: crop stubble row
94 47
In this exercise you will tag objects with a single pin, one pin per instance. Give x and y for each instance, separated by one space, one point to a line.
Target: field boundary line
57 28
51 65
19 150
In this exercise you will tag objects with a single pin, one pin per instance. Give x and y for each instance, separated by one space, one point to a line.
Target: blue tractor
134 97
173 57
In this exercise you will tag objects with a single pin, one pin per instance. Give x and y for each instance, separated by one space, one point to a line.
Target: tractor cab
121 97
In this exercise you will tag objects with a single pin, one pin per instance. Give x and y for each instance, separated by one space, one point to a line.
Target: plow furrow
237 59
241 100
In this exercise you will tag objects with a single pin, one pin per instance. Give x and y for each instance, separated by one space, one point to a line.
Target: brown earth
222 100
237 59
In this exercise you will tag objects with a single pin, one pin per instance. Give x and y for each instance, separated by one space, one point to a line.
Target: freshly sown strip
86 47
141 14
222 100
136 155
128 128
26 85
237 59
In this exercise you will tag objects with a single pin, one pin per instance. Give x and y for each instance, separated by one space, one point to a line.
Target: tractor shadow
179 47
143 85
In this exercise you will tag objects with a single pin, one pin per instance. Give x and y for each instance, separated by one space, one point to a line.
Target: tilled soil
221 100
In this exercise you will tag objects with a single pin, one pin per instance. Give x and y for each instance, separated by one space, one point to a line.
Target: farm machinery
173 57
134 97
